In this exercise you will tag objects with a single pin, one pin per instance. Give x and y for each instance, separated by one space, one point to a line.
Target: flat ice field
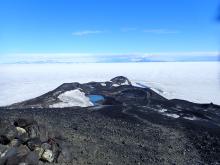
194 81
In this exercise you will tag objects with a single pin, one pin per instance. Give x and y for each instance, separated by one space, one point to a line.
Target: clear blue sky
108 26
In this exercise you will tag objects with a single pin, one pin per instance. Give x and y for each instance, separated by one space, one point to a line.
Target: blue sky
125 27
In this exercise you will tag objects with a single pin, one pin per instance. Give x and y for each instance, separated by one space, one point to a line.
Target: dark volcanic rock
34 143
27 147
129 125
8 133
21 122
15 155
33 131
120 80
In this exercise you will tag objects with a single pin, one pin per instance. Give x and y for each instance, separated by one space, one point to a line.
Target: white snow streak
191 118
172 115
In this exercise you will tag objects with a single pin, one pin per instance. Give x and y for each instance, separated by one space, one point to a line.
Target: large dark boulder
23 122
14 156
33 130
34 143
8 133
27 142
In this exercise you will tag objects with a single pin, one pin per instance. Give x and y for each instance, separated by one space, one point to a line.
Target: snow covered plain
194 81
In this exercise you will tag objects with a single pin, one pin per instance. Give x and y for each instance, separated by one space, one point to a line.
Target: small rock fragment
33 131
20 131
46 146
23 138
3 148
48 156
15 143
39 151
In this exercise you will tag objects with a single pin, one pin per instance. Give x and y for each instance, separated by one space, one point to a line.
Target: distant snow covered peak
72 98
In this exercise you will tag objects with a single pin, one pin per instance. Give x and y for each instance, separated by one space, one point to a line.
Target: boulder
15 143
43 131
21 122
26 142
20 131
39 151
15 155
23 138
8 134
34 143
48 156
33 130
46 146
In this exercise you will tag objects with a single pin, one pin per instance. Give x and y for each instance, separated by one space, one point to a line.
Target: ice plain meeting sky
124 30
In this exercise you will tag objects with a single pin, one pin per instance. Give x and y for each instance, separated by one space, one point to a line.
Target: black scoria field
109 123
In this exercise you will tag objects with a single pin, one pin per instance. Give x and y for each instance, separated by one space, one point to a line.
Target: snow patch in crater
72 98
